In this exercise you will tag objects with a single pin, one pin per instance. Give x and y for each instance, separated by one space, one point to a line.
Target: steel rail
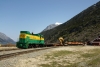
5 56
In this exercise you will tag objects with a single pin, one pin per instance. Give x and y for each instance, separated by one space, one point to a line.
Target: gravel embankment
13 51
18 61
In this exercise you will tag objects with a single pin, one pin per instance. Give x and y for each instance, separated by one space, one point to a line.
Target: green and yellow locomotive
29 40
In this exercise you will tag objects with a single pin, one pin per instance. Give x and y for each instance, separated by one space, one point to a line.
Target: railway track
49 45
5 56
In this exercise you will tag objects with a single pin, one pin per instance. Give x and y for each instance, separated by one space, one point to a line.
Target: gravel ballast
18 61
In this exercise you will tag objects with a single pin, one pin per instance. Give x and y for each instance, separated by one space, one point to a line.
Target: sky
35 15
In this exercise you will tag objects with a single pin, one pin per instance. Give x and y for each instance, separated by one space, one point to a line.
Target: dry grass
82 58
8 45
70 56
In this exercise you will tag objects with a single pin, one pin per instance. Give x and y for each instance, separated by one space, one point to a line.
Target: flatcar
29 40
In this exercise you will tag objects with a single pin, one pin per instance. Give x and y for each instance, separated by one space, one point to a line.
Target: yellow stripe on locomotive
23 35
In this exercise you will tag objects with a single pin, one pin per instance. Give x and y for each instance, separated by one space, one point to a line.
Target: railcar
29 40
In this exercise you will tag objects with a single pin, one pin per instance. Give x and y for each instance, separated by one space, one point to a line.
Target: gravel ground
35 58
21 60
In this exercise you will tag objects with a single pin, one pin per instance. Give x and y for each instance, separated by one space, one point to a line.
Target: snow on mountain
51 26
57 23
5 39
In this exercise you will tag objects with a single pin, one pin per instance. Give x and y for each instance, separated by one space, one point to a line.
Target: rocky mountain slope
5 39
85 26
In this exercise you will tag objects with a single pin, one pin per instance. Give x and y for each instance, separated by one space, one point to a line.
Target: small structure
96 41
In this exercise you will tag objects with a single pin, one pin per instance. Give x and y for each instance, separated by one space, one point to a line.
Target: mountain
51 26
83 27
5 39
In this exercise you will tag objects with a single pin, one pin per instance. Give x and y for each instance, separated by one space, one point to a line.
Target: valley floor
68 56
